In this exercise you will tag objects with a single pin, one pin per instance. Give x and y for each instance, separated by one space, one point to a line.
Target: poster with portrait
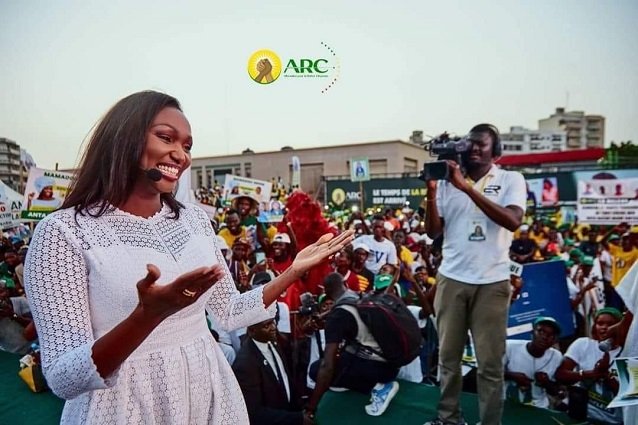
235 186
44 193
271 212
608 201
359 169
542 192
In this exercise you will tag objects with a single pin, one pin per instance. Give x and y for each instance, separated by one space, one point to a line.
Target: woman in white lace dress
119 278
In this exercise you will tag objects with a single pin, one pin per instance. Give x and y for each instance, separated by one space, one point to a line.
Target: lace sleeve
56 282
233 309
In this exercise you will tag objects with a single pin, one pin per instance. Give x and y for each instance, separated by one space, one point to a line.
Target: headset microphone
153 174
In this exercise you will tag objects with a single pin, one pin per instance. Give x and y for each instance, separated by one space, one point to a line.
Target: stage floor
414 404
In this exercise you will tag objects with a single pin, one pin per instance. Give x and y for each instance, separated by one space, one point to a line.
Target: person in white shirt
530 365
382 250
587 363
473 284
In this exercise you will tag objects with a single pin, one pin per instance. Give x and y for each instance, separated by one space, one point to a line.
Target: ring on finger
188 293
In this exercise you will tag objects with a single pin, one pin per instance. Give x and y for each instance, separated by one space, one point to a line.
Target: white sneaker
382 395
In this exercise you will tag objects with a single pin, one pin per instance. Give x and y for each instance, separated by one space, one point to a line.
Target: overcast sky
402 66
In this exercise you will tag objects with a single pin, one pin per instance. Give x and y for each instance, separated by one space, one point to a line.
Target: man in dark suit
263 378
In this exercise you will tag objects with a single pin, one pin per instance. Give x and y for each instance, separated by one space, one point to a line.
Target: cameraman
473 287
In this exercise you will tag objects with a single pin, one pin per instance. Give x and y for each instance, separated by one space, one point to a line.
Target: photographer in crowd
473 285
346 363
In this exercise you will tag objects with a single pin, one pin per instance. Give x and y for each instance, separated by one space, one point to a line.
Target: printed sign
626 369
544 293
235 186
44 193
608 201
359 169
10 205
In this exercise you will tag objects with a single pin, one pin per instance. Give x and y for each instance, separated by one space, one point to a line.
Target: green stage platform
414 404
18 405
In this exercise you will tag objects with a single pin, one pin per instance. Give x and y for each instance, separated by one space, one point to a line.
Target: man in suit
263 378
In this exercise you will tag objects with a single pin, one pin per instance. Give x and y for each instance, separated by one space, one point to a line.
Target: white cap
281 237
388 226
221 242
524 228
360 245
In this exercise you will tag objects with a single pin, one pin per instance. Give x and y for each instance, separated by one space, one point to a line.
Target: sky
399 66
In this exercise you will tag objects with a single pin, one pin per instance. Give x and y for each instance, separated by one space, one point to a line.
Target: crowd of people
280 298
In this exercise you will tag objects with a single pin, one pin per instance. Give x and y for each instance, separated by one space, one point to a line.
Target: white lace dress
81 280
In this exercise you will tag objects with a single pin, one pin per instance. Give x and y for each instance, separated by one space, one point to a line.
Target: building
583 131
520 141
387 158
11 172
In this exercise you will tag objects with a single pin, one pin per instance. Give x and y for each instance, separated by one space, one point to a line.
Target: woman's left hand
326 246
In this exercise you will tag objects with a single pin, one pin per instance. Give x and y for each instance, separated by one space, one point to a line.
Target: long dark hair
110 163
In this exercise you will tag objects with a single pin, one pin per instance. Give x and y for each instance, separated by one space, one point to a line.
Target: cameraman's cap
549 321
281 237
382 281
360 245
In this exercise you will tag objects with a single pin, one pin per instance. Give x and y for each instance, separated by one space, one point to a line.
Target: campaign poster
235 186
608 201
10 205
543 192
359 169
44 193
543 293
271 212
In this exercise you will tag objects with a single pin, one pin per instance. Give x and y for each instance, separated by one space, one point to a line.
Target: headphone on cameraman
497 150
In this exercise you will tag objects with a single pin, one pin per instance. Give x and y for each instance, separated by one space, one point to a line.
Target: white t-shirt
518 359
381 253
476 249
283 325
585 352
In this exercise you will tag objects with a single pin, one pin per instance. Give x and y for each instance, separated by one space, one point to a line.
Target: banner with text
235 186
44 193
544 293
608 201
391 192
10 205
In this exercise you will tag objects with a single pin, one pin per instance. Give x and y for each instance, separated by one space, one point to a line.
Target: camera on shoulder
444 147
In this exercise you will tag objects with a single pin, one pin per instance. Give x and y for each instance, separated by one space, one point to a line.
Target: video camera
309 305
445 147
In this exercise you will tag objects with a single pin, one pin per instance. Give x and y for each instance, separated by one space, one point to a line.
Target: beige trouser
483 309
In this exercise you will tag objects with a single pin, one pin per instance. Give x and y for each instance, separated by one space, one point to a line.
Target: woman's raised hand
326 246
161 301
